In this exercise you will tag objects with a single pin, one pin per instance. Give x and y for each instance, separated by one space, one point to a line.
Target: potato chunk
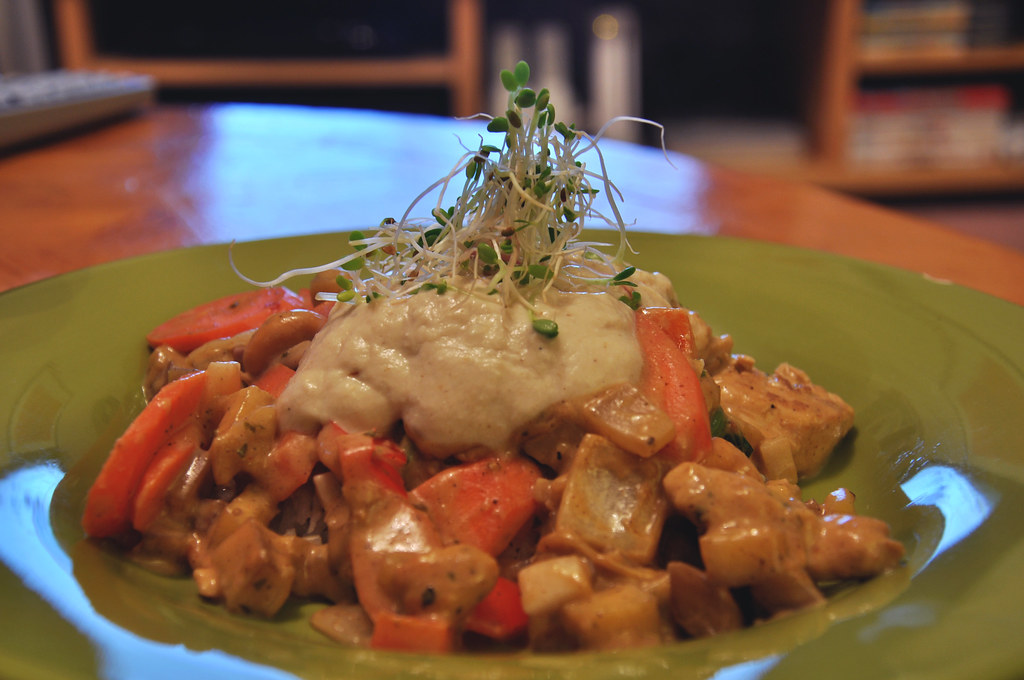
245 434
613 500
619 617
622 414
551 583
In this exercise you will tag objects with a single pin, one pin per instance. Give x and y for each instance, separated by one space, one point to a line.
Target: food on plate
481 431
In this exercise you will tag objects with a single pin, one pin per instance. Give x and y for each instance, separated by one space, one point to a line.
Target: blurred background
918 104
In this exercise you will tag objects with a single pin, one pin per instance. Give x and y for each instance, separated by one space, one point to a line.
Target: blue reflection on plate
30 549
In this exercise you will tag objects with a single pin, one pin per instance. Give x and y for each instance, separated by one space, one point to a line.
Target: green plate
935 372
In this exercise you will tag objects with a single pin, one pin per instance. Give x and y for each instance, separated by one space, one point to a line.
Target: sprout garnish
514 228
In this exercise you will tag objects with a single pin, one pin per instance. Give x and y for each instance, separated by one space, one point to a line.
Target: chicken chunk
759 535
250 571
714 350
792 424
851 547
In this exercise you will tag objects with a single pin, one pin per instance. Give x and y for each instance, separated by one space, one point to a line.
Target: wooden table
182 176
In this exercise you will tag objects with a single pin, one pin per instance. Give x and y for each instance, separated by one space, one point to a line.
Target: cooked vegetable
613 500
253 573
671 381
412 633
625 416
287 466
222 318
274 379
276 334
169 462
701 606
484 503
549 584
500 615
761 535
245 435
615 618
108 507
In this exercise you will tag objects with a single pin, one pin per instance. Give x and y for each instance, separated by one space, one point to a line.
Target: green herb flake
624 274
354 264
631 300
540 271
487 254
719 422
546 327
522 73
526 98
357 236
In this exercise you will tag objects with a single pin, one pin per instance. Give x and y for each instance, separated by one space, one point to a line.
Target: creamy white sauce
460 370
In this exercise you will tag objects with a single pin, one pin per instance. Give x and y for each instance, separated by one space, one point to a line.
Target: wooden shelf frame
894 181
458 70
841 69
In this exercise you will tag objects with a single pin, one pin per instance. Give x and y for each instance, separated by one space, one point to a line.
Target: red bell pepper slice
500 615
384 521
670 381
360 457
676 323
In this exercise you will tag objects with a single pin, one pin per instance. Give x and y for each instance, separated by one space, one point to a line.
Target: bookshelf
846 68
458 69
817 147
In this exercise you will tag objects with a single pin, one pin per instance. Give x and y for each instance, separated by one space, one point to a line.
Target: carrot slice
167 464
223 318
406 633
108 506
274 379
483 503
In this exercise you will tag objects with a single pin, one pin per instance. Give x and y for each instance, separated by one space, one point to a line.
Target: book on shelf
931 126
926 24
894 25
